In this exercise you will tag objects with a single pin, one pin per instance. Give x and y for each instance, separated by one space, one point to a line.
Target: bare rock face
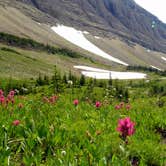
121 17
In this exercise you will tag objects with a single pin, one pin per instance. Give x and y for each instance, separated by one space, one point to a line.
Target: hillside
24 19
124 18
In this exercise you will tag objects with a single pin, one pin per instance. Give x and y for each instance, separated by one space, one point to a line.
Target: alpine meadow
82 83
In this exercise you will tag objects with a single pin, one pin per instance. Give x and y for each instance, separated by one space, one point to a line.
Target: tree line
32 44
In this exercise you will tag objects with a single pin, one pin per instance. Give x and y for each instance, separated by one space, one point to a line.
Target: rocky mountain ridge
123 18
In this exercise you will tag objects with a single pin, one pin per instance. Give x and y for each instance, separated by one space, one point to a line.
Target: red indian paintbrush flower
11 93
2 99
121 104
75 102
117 107
1 92
98 104
16 122
128 107
126 127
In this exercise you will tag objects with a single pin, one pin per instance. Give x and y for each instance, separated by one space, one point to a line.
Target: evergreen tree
39 80
56 80
82 80
64 79
46 80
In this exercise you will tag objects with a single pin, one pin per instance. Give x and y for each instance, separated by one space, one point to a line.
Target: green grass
21 63
64 134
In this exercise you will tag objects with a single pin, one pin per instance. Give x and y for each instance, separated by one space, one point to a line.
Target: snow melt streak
106 74
163 58
78 38
155 67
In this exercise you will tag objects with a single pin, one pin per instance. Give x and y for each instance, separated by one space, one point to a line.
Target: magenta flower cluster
9 98
126 127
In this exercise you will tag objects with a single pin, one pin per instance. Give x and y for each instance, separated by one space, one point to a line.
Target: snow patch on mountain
77 37
163 58
106 74
97 37
155 67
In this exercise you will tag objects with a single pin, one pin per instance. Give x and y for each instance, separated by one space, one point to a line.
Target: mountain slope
25 19
122 17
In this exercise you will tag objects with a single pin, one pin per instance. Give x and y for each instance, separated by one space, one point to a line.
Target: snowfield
97 37
77 37
106 74
163 58
155 67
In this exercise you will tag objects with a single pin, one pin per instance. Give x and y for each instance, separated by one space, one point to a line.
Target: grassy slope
20 63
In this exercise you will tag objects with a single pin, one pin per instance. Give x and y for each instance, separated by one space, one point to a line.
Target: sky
156 7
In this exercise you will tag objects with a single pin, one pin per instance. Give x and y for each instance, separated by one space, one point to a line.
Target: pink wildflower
128 107
98 104
121 104
117 107
9 97
12 101
52 99
7 101
126 127
16 122
11 93
1 92
75 102
2 99
55 97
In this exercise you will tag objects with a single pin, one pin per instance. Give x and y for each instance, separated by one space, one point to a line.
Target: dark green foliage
42 80
82 80
64 79
147 69
46 80
31 44
57 81
9 50
156 89
39 80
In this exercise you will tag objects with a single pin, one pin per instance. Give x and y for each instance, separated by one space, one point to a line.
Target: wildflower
12 101
45 100
98 104
1 92
70 82
11 93
128 107
121 104
117 107
20 105
55 97
7 101
75 102
16 91
2 99
16 122
52 99
63 153
98 132
126 127
9 97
